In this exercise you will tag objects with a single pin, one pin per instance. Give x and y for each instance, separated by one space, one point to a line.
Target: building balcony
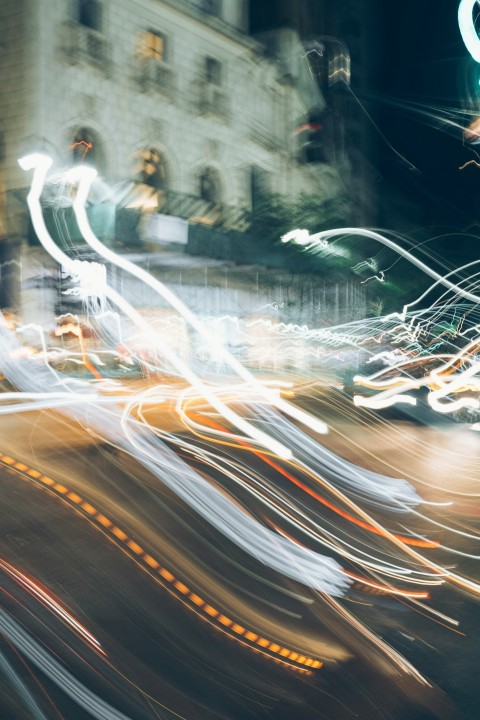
213 100
196 210
155 75
267 137
140 197
83 44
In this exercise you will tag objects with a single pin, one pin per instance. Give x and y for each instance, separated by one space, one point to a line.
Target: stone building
171 100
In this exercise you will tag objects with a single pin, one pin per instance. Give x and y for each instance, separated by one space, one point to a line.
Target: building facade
172 100
176 91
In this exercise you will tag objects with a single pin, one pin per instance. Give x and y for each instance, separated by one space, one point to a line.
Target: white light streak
85 176
467 28
41 164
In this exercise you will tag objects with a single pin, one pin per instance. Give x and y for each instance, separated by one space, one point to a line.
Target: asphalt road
163 658
152 639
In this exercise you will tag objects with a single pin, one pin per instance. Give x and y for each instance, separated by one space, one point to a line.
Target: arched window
210 186
86 148
151 169
90 14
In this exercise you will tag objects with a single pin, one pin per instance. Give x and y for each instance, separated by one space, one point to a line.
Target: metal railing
156 75
267 137
196 210
212 100
82 43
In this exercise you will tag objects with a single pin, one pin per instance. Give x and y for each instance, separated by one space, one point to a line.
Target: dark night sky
422 60
428 64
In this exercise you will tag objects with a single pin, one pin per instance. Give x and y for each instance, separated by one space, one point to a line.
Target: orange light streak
415 542
77 331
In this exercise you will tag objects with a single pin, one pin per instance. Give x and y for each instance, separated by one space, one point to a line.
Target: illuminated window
213 71
151 168
154 46
90 14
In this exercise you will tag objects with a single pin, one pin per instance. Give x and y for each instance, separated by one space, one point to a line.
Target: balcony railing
156 75
195 209
267 136
83 44
139 197
212 100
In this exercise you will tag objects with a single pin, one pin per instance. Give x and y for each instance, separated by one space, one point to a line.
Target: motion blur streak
323 501
40 657
467 28
51 602
303 570
319 239
305 566
442 382
274 491
146 562
392 494
21 687
389 590
85 176
40 164
377 527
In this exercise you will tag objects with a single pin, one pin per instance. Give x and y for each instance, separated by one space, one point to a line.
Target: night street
239 360
146 626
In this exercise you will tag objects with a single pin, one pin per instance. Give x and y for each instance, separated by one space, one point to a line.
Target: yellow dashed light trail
269 649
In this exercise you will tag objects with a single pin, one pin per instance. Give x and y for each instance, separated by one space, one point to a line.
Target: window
151 169
213 71
83 146
90 14
212 7
86 148
260 186
209 189
154 45
314 148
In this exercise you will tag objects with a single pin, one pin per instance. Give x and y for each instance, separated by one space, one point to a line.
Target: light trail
199 494
47 599
85 176
54 670
176 587
467 28
328 492
21 687
40 164
442 382
440 386
317 496
370 523
318 240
